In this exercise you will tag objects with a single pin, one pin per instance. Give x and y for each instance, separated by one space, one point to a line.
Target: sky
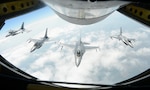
114 62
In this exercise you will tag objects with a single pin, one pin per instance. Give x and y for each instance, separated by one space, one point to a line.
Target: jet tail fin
22 26
46 33
120 31
86 43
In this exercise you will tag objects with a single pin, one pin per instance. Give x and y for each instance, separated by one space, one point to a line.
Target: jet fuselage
78 52
126 41
38 44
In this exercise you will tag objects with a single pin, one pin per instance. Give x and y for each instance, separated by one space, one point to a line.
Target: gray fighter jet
15 32
125 40
39 42
79 48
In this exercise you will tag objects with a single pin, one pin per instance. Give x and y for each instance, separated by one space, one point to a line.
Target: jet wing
86 43
24 30
92 47
131 39
33 40
13 31
50 41
71 46
17 31
115 36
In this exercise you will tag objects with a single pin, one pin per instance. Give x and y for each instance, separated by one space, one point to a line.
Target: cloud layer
113 63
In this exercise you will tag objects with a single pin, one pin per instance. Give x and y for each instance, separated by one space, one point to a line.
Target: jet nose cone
32 49
78 61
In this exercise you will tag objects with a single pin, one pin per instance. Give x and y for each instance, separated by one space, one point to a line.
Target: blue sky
113 63
15 23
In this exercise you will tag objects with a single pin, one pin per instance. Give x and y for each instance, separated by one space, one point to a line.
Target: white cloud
41 73
17 54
